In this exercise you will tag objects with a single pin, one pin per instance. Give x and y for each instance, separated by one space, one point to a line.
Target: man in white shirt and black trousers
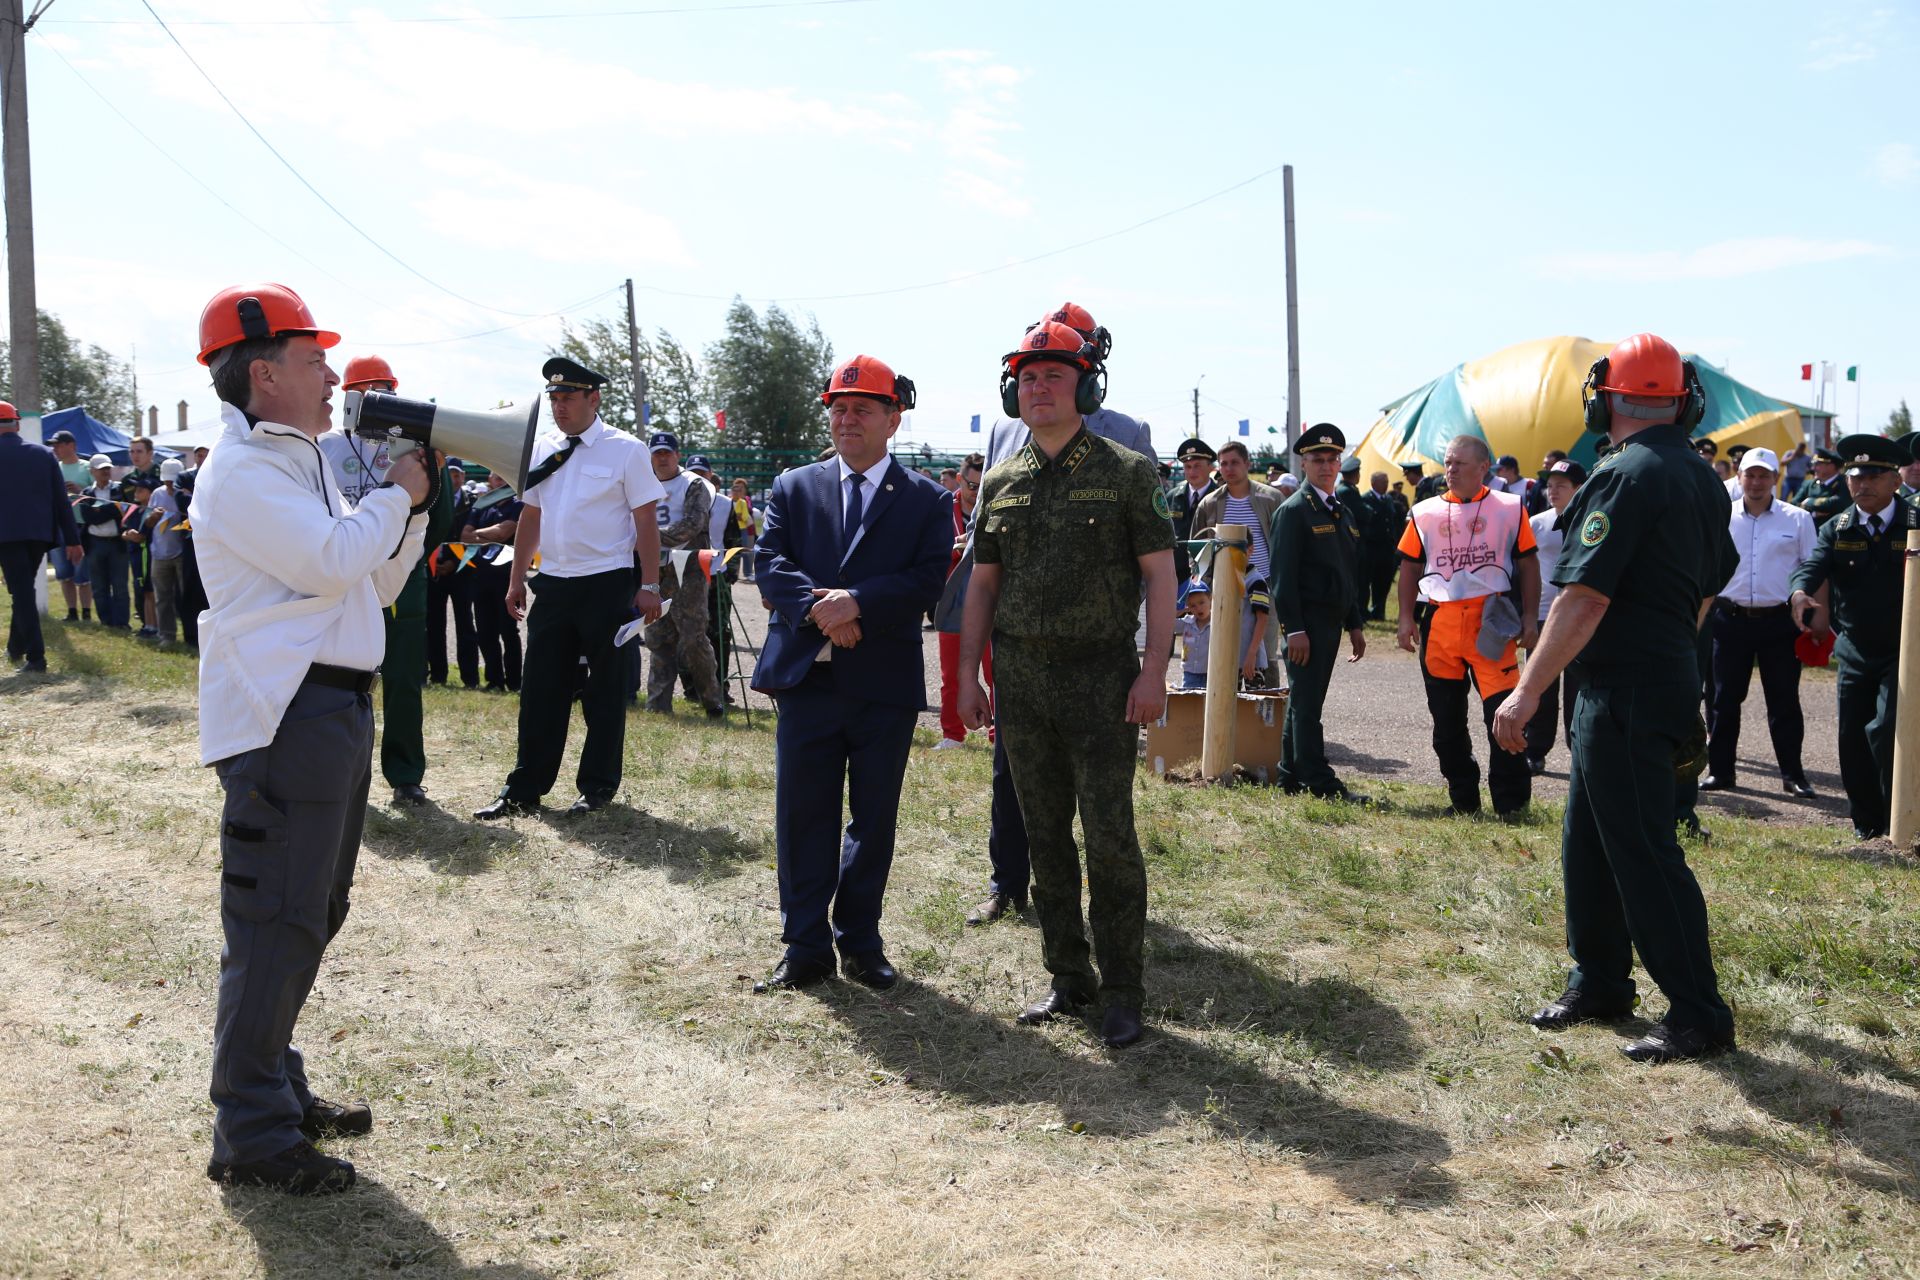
589 514
1751 624
289 647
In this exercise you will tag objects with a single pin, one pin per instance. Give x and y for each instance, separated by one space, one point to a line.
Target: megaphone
500 438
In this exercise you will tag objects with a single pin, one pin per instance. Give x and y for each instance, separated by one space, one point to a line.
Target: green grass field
570 1078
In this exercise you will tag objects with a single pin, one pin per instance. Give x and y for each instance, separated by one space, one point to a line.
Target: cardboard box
1173 741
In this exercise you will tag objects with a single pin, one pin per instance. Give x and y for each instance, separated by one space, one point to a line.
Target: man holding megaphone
589 515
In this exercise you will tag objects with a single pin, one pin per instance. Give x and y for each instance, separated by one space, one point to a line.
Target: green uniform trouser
1060 709
403 674
1303 743
1628 885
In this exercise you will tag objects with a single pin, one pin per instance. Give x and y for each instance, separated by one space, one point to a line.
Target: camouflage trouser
1060 709
679 641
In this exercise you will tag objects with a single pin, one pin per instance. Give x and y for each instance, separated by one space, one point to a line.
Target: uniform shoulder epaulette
1844 520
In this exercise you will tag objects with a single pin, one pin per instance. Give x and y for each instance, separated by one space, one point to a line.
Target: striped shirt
1240 511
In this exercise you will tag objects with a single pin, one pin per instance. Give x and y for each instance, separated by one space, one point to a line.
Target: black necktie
1873 525
855 509
553 463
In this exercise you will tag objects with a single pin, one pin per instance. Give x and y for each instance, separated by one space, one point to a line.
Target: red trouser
950 726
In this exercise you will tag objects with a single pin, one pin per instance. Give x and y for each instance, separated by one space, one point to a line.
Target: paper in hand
638 625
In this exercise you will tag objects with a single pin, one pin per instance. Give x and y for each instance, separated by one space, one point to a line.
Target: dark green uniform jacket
1316 564
1866 576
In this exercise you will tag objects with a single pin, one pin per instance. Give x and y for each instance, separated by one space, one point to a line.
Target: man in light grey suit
1007 830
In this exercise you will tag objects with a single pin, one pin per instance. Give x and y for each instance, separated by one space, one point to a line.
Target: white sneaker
944 743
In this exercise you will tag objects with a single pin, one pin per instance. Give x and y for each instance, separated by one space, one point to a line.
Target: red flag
720 419
1806 373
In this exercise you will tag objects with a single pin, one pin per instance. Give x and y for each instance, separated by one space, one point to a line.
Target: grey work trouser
168 574
289 838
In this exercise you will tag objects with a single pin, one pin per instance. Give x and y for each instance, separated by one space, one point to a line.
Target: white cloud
985 193
556 222
1860 43
981 113
1896 164
1722 261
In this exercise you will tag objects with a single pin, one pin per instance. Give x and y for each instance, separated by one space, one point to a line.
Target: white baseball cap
171 469
1762 458
98 461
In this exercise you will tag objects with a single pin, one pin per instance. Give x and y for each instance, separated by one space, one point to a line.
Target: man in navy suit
34 516
854 553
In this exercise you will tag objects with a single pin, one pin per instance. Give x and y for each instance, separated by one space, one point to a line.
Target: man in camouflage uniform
1067 532
679 640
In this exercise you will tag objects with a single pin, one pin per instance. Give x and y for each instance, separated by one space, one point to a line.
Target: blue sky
1741 178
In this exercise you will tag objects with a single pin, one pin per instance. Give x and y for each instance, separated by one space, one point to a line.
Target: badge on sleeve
1594 531
1160 507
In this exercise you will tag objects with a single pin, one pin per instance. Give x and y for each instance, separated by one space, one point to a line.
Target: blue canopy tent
91 436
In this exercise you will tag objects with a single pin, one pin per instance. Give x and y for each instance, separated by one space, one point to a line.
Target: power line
317 194
464 18
486 333
984 271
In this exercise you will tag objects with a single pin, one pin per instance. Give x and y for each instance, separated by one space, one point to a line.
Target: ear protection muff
1594 410
1693 402
253 319
1089 392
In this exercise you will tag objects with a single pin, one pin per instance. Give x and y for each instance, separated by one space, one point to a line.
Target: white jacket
293 577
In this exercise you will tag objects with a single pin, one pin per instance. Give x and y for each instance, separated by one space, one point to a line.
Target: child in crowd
1196 628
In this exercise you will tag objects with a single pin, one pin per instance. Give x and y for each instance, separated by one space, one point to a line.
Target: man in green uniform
359 466
1647 549
1317 593
1067 532
1196 482
1854 577
1824 493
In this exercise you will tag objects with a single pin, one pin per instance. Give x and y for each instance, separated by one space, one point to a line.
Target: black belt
347 678
1764 611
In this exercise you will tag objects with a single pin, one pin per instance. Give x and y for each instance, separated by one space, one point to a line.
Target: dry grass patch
552 1022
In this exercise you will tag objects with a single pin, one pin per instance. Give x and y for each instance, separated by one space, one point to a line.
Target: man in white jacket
289 648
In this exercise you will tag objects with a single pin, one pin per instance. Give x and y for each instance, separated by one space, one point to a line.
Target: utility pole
23 308
133 372
639 372
1293 319
1196 411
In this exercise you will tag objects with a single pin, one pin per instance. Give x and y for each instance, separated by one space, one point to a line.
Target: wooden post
1223 653
1906 731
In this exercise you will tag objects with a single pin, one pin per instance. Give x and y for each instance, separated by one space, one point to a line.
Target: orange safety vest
1468 547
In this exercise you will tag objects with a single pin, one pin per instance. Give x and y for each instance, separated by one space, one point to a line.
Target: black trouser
1867 689
571 619
193 596
455 589
1553 713
19 561
1739 641
1382 573
496 634
1008 854
1303 741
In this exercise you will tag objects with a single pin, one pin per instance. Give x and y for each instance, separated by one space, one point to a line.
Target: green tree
766 374
673 376
74 375
1900 422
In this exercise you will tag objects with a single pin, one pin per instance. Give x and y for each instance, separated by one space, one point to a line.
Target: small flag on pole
1246 427
1806 373
975 428
1853 373
720 420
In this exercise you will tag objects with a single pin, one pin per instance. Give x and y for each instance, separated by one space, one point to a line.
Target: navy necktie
855 509
553 463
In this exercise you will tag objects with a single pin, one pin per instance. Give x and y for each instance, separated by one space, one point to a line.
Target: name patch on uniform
1321 528
1849 544
1094 495
1594 531
1011 500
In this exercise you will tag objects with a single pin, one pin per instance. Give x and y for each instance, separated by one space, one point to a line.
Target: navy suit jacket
33 495
895 571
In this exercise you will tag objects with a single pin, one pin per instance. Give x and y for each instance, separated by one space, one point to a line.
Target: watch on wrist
650 586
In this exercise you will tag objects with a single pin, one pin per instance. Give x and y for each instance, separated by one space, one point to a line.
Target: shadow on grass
452 842
1833 1105
950 1046
365 1231
687 854
1364 762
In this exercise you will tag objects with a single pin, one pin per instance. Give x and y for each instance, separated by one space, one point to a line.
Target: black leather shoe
1665 1043
1797 788
794 974
1121 1027
506 807
870 970
298 1171
1346 796
1868 833
1536 766
1709 782
412 794
325 1119
588 804
716 713
1575 1007
993 907
1058 1004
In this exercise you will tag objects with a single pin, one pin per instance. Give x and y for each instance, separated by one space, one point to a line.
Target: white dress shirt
1772 545
292 575
1547 543
586 507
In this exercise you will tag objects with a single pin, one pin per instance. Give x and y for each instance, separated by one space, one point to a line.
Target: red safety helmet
867 376
1074 316
1050 340
1645 365
362 370
8 413
256 311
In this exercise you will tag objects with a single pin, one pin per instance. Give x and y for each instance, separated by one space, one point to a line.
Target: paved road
1377 727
